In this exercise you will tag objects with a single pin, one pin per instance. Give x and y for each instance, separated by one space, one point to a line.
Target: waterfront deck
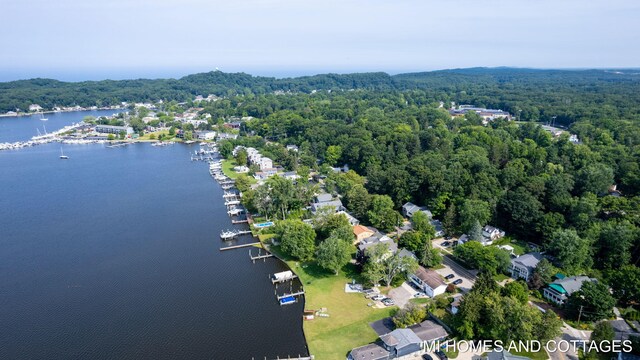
239 246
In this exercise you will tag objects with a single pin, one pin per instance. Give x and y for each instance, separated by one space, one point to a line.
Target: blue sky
91 39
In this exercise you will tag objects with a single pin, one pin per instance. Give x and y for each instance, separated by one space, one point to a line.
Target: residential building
375 351
401 342
522 267
429 331
504 355
206 135
326 201
373 240
560 290
491 234
437 225
622 330
429 281
110 129
291 175
407 253
35 107
455 305
292 148
352 220
362 232
223 136
265 163
409 209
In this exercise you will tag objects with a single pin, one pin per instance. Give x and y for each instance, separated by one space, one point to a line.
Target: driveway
451 267
402 294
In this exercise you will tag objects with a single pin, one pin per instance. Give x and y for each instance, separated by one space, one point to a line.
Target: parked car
369 291
419 294
388 302
447 238
450 276
378 297
441 355
426 357
457 282
446 243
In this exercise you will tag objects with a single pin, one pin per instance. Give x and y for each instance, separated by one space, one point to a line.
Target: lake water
114 254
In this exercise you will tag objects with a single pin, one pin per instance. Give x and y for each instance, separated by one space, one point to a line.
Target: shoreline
26 114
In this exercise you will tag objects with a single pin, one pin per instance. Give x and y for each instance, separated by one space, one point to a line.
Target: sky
96 39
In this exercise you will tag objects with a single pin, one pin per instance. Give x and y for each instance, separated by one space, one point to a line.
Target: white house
522 267
35 107
265 163
491 234
560 290
428 281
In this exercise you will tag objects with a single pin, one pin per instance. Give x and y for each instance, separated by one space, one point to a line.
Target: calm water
114 254
21 128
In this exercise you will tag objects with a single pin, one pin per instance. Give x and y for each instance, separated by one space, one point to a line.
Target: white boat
63 156
42 117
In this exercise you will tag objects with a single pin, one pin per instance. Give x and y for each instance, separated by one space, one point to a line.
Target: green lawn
227 168
541 355
519 247
500 277
348 324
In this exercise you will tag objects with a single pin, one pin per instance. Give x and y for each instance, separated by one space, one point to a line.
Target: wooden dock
239 246
279 297
240 221
259 256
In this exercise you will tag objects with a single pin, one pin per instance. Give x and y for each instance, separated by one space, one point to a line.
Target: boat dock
230 234
259 256
239 246
282 277
240 221
289 298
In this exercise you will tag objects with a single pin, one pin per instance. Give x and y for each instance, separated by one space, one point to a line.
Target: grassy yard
500 277
519 247
227 168
348 324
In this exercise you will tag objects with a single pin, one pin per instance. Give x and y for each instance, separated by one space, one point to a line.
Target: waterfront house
206 135
408 209
375 351
522 267
560 290
401 342
362 232
35 107
429 281
111 129
429 331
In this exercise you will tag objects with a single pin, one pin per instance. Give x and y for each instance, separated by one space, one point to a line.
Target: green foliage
571 251
475 232
421 223
429 257
603 331
381 214
542 274
486 258
413 240
333 253
625 283
595 300
358 201
409 315
241 157
385 267
517 290
327 223
473 211
297 238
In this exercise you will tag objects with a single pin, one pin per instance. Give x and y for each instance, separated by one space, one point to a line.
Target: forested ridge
569 95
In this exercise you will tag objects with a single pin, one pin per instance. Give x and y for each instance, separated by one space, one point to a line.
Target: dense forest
529 94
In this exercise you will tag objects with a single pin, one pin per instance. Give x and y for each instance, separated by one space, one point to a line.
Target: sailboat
42 117
63 156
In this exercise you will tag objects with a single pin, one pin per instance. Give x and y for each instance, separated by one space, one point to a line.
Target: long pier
280 297
240 221
239 246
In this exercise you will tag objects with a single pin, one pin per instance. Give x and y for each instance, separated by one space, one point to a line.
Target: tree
297 239
241 157
334 152
188 135
603 331
625 283
430 257
243 182
409 315
226 149
172 131
111 137
413 240
485 283
475 233
614 244
303 171
595 178
571 251
333 253
593 301
122 134
422 223
381 266
382 215
449 221
327 223
472 211
542 274
517 290
358 201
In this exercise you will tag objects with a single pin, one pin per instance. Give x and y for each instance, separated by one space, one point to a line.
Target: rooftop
429 277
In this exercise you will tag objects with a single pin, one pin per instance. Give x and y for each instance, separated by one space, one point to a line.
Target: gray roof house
429 331
429 281
560 290
491 234
437 225
409 209
326 201
375 351
522 267
401 342
504 355
377 238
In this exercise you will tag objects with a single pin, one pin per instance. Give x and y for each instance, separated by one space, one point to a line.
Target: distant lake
21 128
114 254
